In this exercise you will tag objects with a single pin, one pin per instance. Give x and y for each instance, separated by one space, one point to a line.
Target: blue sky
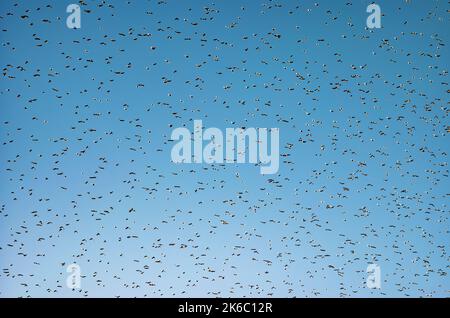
83 144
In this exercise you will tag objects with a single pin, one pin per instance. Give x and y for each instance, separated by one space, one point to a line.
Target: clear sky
86 175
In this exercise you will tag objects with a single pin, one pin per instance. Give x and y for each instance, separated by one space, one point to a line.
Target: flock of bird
86 177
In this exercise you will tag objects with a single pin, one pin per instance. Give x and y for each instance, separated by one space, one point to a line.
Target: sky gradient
86 175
